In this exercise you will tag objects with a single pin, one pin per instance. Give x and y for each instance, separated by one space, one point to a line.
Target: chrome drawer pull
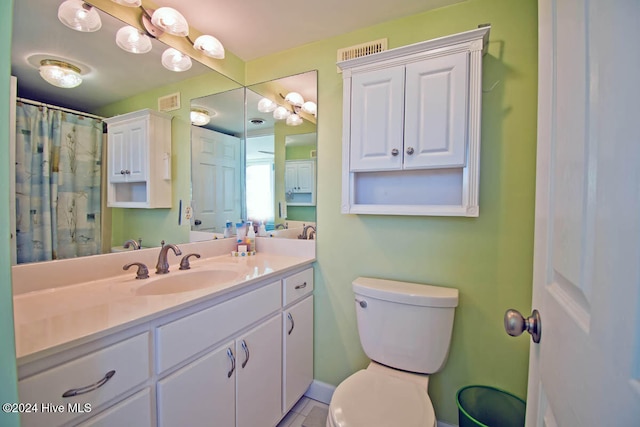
290 317
246 352
233 362
87 389
304 285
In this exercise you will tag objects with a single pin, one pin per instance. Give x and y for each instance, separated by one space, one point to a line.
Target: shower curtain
58 164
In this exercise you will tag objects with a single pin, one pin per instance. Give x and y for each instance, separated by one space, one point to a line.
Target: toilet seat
373 399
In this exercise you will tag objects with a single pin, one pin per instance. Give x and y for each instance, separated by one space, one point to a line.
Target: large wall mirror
269 153
110 76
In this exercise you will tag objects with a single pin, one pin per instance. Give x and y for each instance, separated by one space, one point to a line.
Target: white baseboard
322 392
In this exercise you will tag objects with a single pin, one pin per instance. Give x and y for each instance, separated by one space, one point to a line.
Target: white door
586 369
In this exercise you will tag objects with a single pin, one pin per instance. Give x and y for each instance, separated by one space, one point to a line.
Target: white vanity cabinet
411 128
300 182
139 160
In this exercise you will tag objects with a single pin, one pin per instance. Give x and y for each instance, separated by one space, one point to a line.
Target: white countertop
47 319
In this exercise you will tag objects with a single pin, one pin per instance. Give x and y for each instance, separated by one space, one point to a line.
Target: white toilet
405 329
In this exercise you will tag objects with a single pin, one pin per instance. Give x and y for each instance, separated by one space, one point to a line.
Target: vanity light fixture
294 120
281 113
129 3
60 73
79 16
265 105
200 116
174 60
170 21
132 40
310 107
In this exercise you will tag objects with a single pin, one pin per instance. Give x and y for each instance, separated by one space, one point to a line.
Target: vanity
111 350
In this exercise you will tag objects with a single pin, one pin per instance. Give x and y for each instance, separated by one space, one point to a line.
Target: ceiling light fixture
60 73
79 16
200 116
132 40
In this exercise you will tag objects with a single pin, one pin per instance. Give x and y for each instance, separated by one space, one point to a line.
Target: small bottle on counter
251 238
262 230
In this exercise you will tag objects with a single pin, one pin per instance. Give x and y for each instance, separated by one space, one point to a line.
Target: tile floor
299 412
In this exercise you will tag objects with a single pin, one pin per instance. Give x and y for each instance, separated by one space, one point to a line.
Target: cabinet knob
394 152
128 172
410 150
122 172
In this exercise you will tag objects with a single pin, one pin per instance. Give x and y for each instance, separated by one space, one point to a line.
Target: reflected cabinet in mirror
70 218
276 172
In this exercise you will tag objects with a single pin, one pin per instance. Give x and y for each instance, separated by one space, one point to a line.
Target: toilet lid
368 399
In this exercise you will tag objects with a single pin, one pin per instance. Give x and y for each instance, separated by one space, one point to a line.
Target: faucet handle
184 262
143 271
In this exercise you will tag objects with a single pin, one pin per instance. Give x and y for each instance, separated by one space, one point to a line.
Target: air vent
363 49
169 102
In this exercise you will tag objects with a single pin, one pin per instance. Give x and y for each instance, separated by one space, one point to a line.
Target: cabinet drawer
297 286
178 340
134 411
128 359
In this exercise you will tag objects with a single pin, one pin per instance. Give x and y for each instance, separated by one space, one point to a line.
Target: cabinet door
290 176
298 351
306 177
117 153
259 375
377 104
200 394
435 134
134 411
137 152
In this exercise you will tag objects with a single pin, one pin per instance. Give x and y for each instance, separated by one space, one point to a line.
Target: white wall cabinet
411 136
139 160
300 182
242 361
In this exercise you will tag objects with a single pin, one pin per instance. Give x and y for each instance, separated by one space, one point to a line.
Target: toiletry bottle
227 229
262 230
251 238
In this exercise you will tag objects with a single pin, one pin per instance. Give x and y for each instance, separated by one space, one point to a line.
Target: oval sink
186 281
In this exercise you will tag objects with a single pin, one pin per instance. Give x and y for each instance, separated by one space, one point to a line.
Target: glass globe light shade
281 113
265 105
79 16
129 3
294 120
199 117
174 60
294 98
132 40
210 46
310 108
170 21
60 73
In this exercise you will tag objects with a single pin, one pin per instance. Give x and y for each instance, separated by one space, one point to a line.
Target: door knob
515 324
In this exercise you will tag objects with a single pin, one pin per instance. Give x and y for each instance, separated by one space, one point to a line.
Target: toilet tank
405 325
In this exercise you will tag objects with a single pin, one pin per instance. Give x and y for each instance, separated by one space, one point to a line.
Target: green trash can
486 406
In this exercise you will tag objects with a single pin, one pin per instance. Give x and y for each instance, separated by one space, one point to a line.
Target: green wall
489 258
8 379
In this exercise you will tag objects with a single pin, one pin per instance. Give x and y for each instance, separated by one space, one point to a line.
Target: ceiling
248 28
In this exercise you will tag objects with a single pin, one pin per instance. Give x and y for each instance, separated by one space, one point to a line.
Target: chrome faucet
163 265
305 232
284 227
131 243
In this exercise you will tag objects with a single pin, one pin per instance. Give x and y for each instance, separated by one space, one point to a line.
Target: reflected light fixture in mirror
60 73
200 116
79 16
297 102
132 40
174 60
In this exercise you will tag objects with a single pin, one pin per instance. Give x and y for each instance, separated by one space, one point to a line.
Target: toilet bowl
405 329
375 399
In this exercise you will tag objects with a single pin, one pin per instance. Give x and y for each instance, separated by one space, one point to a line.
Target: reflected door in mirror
216 165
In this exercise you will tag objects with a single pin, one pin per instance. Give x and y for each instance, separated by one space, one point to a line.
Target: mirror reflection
110 77
278 170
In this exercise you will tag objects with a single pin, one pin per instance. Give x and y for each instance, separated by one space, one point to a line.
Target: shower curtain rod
68 110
